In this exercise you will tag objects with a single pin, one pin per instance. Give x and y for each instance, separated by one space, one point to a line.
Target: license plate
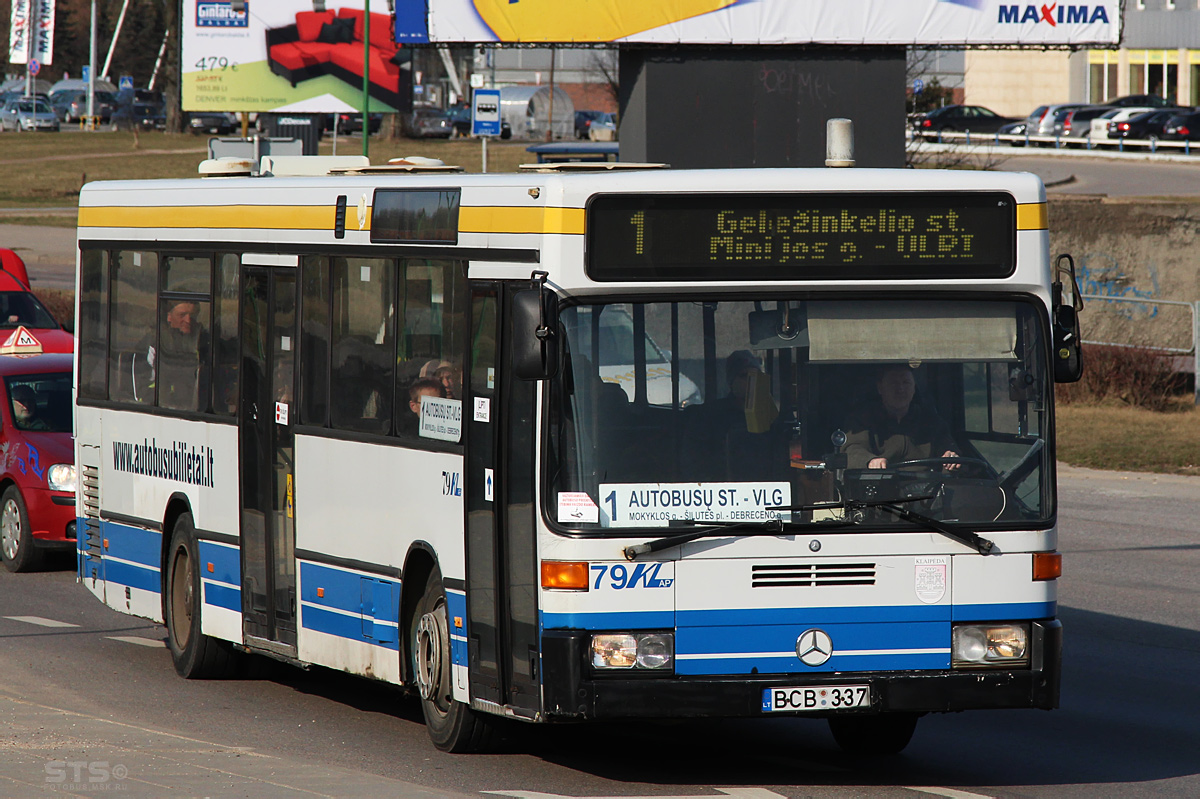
814 698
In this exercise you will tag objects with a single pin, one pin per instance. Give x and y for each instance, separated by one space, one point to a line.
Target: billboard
42 30
282 56
844 22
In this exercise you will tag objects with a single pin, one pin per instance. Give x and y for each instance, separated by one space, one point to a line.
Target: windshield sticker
576 507
656 504
931 578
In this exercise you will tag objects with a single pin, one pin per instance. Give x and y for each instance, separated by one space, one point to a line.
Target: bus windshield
729 410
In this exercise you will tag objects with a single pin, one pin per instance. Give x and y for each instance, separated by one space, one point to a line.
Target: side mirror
534 333
1064 318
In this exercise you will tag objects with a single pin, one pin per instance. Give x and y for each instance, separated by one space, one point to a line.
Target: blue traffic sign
87 73
918 85
125 83
35 66
485 112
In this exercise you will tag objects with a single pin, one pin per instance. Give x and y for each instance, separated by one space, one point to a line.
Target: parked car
143 116
430 123
1147 126
1183 127
949 118
1148 100
37 505
218 122
1100 125
583 122
1075 126
71 105
352 123
28 114
603 128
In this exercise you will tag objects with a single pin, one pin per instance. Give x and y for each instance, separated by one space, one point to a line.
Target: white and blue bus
569 445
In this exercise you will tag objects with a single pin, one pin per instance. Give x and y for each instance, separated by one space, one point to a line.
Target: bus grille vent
811 575
91 509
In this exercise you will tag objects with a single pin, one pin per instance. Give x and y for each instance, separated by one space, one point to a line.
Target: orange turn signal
565 575
1047 565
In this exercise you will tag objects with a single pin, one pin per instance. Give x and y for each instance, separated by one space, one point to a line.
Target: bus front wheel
452 726
196 656
886 734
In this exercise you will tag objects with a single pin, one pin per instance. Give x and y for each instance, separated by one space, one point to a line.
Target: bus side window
225 335
93 324
432 328
363 344
132 325
314 340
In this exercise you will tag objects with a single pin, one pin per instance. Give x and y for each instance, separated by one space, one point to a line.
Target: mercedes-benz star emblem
814 647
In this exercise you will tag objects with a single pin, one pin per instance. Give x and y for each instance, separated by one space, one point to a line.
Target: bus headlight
977 646
633 650
61 477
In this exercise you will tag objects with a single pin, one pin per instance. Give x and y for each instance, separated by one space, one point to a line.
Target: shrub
1136 376
61 305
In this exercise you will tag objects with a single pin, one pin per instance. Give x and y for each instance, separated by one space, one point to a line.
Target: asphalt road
103 694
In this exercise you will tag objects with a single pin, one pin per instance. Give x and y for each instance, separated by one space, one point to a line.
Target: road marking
738 793
950 793
133 639
39 621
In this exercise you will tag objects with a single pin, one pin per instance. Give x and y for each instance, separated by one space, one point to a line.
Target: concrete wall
1014 82
1138 250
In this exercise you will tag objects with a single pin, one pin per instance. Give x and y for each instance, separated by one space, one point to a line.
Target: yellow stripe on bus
236 217
507 219
1032 216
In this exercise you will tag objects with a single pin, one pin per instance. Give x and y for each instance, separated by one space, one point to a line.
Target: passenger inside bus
182 348
894 427
736 435
410 423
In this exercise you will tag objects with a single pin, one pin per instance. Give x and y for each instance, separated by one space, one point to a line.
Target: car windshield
723 410
40 402
22 308
33 106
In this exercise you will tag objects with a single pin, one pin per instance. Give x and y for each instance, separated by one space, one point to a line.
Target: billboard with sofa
845 22
293 56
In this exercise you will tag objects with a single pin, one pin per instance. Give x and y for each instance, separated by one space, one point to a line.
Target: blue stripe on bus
1006 611
343 590
616 620
340 625
226 562
456 608
222 596
143 547
815 615
132 575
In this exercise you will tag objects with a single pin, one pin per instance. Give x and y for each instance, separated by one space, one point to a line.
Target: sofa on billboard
331 43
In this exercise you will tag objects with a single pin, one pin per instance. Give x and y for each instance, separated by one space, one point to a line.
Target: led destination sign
827 236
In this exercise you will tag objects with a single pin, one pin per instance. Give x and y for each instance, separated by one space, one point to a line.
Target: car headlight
633 651
980 646
61 477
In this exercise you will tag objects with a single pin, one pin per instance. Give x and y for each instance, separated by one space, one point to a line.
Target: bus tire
885 734
19 552
196 656
452 726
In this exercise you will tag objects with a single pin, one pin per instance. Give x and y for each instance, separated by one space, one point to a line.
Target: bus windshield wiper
769 527
976 542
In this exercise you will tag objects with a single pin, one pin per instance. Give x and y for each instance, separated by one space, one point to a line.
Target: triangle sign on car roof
21 342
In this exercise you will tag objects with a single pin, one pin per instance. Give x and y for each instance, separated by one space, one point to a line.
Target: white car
28 113
1100 123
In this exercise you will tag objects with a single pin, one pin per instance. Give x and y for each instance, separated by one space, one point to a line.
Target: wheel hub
429 656
10 530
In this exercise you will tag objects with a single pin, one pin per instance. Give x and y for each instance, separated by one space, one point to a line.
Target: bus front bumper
572 692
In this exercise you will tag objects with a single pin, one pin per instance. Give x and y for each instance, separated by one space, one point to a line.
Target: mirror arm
543 331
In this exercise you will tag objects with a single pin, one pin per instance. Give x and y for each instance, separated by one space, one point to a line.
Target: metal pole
366 109
113 44
1196 352
91 90
484 140
162 50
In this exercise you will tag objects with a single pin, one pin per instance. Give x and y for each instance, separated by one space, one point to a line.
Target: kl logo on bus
451 484
620 576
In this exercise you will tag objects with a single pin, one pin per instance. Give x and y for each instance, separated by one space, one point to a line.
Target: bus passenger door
268 529
502 574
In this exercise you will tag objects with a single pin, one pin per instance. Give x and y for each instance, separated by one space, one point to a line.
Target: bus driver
896 429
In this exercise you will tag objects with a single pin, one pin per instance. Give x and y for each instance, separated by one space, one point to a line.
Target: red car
37 460
18 307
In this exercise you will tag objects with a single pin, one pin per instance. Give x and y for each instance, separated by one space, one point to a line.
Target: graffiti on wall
1100 275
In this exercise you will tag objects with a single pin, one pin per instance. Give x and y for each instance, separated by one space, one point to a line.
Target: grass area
1124 438
47 170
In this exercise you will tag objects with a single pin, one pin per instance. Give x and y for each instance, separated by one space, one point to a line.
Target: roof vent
590 166
839 142
309 165
227 166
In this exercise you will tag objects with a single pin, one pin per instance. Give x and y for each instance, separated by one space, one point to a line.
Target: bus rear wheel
196 656
452 726
886 734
